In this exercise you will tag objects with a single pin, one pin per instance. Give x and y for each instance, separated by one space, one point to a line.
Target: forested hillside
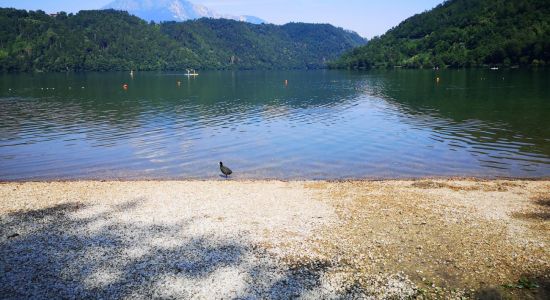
90 40
462 33
223 43
106 40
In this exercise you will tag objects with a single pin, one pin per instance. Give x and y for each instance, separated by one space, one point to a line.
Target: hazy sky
368 17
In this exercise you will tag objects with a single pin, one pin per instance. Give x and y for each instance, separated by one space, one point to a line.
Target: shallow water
322 125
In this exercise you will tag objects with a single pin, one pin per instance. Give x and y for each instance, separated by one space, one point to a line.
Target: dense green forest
105 40
462 33
221 43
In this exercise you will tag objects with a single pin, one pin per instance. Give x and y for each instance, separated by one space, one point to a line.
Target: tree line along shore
455 34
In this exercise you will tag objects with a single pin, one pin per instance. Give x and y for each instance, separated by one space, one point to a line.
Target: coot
225 170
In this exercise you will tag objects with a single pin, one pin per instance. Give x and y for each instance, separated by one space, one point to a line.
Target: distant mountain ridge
112 40
173 10
226 44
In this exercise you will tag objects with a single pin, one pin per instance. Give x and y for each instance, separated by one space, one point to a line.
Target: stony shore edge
430 238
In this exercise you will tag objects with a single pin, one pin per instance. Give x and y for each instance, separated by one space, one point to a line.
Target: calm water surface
322 125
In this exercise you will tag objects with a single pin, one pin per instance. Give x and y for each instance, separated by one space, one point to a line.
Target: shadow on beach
57 253
183 244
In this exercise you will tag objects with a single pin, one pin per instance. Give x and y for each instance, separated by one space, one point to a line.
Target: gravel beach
425 239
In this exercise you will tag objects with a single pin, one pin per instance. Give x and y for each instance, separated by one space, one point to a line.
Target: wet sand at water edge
453 238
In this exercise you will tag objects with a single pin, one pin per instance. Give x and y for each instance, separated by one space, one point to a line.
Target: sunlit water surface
322 125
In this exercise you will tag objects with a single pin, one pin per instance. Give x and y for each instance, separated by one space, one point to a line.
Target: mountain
88 41
226 43
462 33
110 40
173 10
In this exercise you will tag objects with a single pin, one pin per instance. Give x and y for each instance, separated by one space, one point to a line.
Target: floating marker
125 86
437 79
286 82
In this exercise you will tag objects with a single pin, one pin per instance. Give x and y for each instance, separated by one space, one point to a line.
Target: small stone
11 236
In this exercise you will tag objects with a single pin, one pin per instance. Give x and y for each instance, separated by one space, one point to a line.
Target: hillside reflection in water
322 125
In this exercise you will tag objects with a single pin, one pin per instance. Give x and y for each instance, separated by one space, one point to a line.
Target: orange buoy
125 86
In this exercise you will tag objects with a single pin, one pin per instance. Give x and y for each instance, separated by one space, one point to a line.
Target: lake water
321 125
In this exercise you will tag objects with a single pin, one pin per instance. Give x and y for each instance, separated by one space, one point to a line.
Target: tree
462 33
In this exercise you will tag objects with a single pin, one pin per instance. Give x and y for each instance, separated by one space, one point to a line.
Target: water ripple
322 125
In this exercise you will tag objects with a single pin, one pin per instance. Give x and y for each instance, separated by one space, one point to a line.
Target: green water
321 125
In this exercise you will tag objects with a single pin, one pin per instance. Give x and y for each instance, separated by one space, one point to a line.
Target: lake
320 125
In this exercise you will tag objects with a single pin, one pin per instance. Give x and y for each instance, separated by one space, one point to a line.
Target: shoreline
397 238
334 180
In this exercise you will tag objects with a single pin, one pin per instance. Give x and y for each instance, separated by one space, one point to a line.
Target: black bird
225 170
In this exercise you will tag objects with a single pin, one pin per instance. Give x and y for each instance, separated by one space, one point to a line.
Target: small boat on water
494 68
191 73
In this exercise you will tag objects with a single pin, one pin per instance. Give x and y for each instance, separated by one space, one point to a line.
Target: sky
369 18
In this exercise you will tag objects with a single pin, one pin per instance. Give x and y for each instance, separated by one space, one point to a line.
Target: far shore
448 238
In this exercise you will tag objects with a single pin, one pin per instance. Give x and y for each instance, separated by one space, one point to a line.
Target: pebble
179 242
